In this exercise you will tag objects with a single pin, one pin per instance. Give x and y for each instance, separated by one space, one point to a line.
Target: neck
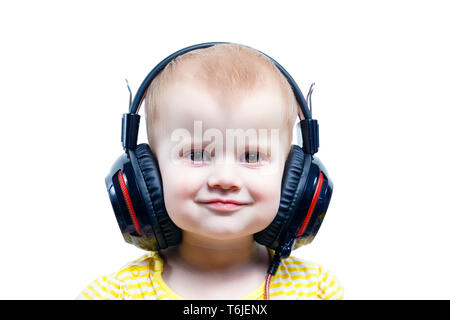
202 254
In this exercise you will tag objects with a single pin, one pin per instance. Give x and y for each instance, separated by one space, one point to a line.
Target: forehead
185 102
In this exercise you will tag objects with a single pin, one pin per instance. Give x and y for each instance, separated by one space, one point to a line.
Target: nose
224 177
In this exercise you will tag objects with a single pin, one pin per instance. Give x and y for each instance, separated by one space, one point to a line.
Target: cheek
266 191
265 185
179 189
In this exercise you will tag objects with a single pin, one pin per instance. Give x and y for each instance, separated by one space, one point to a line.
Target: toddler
219 191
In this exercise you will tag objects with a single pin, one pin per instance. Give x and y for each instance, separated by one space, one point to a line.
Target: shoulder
148 263
307 280
114 286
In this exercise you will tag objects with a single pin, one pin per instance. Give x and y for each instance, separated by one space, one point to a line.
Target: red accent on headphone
126 196
312 206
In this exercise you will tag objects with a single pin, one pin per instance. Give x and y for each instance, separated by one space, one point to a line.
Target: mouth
224 205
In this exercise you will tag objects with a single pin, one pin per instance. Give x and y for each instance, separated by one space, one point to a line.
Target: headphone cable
271 272
308 97
131 94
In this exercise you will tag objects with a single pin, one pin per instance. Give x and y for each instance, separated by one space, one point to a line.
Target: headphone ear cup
292 187
314 205
167 233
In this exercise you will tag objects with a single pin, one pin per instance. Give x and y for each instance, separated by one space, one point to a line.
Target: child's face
189 177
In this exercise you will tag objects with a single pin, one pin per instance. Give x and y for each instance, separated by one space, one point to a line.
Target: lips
225 205
224 201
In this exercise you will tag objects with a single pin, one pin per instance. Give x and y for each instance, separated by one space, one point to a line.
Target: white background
382 79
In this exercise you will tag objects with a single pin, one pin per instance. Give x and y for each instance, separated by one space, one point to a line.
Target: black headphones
135 188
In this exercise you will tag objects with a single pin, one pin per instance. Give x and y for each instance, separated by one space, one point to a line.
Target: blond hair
231 68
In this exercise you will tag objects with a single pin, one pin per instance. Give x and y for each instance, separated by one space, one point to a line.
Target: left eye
252 157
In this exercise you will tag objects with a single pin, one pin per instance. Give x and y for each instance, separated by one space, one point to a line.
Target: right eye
198 156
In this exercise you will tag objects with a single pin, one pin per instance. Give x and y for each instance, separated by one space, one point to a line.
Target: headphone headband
130 121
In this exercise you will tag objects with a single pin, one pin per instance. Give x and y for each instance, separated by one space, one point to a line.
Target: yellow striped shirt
142 279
